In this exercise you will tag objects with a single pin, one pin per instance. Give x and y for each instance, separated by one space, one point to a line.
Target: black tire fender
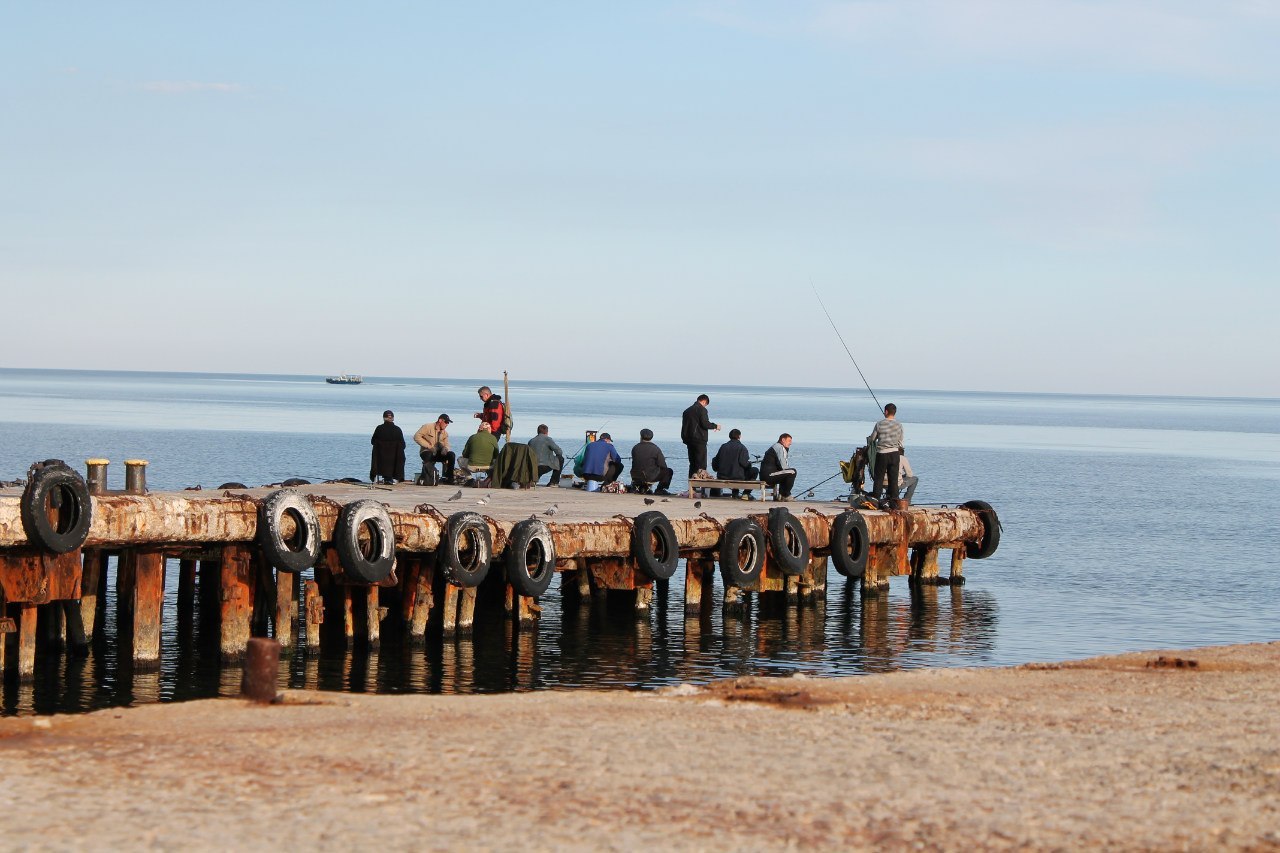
850 544
990 531
467 548
654 545
301 550
531 558
788 542
53 486
742 553
373 560
295 481
233 485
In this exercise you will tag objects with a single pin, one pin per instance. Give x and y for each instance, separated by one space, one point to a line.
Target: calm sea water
1129 523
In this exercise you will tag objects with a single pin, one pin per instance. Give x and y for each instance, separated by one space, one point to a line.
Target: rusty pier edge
214 539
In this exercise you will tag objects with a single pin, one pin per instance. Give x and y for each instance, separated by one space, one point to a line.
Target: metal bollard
135 476
261 663
97 475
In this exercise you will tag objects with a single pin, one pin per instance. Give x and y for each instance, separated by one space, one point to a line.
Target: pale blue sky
1027 195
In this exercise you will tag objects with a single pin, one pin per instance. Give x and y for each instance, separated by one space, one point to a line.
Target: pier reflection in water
591 641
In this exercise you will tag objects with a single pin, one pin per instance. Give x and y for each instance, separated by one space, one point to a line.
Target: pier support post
315 615
644 597
957 566
186 586
146 605
348 614
371 630
924 566
698 574
419 598
813 583
467 610
286 609
236 583
92 575
735 601
449 620
26 638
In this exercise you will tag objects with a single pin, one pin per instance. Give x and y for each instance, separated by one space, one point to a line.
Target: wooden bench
740 485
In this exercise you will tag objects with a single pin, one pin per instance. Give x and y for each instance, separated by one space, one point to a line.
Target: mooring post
96 475
286 608
261 670
236 582
315 615
146 606
135 476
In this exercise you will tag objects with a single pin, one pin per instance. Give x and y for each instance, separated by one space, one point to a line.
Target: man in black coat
388 451
649 466
694 425
733 462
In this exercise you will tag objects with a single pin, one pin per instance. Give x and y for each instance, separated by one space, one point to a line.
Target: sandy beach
1149 750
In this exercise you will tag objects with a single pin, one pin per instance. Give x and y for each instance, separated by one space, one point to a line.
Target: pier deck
438 545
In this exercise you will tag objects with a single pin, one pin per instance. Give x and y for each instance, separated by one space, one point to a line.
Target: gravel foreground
1154 750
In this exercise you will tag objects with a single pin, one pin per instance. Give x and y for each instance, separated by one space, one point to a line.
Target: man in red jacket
494 412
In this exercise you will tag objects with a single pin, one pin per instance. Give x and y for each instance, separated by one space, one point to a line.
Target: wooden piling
93 574
957 566
315 615
419 599
237 587
698 574
286 609
186 585
26 639
371 629
449 613
467 610
147 575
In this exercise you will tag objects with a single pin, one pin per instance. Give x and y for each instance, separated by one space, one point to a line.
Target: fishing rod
843 344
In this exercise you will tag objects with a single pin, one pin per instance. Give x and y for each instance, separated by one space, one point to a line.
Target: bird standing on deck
457 497
551 510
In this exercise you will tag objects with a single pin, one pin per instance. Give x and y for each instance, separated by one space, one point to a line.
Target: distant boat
344 379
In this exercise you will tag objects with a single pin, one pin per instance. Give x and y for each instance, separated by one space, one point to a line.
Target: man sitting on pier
601 464
733 462
433 438
550 456
649 466
775 470
388 451
480 450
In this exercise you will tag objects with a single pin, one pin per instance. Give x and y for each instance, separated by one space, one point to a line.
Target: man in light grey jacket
887 437
550 456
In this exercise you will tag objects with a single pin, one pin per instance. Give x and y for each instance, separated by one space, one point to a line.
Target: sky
1003 195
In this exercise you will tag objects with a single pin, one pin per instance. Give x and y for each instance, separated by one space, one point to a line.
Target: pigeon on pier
697 504
457 497
484 500
551 510
649 502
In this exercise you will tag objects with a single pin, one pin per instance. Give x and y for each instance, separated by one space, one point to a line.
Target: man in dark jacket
649 466
733 462
387 460
694 425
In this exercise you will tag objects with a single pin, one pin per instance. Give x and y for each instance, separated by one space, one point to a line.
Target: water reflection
595 641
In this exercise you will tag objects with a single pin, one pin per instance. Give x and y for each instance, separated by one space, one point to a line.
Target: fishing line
843 344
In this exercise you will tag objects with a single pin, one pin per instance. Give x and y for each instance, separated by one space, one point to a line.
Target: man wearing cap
649 466
433 438
387 462
601 464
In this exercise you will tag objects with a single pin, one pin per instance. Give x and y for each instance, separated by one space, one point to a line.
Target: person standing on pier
775 468
649 466
550 456
694 424
887 437
494 412
433 438
388 451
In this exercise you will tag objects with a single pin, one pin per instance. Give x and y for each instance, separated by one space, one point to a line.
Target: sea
1128 523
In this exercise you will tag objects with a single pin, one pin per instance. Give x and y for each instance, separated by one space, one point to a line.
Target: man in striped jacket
888 440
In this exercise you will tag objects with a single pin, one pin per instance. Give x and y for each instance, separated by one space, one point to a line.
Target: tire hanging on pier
299 551
788 541
56 509
365 541
654 544
742 553
850 544
467 549
531 558
990 531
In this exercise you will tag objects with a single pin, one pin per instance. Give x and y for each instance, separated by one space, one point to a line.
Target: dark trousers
664 480
888 463
612 471
555 474
697 457
447 460
785 480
